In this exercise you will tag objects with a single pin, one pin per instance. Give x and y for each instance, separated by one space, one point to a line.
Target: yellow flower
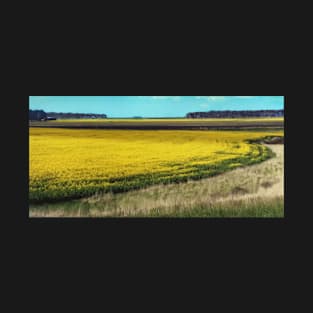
67 163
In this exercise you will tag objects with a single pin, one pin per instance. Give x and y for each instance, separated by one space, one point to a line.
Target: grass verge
254 207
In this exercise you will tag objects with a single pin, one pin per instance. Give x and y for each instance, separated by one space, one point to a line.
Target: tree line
236 114
38 115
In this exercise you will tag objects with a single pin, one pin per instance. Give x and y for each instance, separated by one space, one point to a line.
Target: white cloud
214 98
244 97
210 98
174 98
206 98
159 97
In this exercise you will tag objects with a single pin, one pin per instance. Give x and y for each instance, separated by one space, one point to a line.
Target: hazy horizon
152 106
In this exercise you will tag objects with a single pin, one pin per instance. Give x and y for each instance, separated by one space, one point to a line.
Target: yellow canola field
169 120
67 163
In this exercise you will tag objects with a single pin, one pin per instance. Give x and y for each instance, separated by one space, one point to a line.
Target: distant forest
236 114
75 115
38 115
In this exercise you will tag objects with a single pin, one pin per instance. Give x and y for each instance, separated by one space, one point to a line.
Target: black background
235 261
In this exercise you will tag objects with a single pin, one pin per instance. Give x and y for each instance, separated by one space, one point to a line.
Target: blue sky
152 106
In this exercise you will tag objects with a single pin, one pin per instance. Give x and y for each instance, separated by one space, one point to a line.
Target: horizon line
141 116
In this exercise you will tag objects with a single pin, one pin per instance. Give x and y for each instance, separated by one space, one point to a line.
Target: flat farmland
253 191
174 124
74 163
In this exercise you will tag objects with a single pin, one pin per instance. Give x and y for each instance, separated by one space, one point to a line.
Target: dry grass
251 191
